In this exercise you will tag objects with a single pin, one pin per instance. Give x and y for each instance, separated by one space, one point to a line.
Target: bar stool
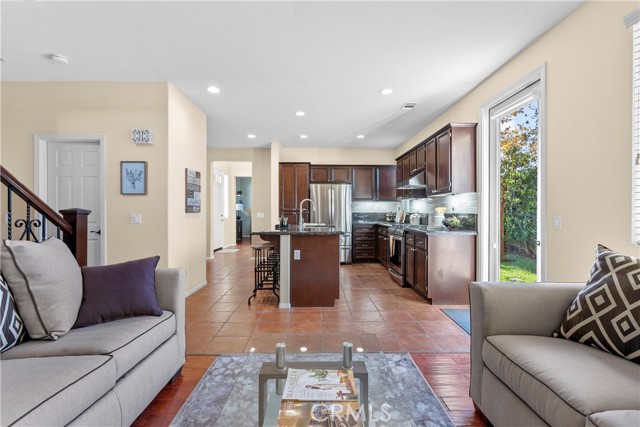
266 269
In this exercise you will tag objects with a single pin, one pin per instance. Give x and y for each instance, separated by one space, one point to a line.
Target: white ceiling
270 59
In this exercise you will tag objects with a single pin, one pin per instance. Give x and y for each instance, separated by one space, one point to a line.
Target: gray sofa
101 375
521 376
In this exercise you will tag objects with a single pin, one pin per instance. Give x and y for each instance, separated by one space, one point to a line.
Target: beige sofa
101 375
521 376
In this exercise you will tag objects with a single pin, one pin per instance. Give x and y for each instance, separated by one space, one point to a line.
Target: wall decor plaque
192 191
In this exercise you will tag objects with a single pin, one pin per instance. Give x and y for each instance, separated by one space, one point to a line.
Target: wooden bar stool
266 269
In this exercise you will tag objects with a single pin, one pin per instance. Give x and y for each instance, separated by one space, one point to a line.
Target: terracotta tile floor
373 312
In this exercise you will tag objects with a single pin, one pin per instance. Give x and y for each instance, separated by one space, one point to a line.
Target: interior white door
218 209
73 181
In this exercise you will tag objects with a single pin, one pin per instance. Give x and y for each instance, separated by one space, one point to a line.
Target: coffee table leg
262 399
364 386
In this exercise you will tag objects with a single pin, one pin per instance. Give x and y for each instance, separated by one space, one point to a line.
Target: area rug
461 316
227 394
226 251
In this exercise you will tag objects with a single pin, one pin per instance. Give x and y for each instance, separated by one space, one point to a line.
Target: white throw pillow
46 283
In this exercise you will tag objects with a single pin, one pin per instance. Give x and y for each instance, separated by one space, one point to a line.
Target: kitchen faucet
313 205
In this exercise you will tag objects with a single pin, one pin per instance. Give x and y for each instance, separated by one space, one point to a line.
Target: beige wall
187 149
112 110
588 131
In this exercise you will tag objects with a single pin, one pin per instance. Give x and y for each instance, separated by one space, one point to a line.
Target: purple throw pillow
117 291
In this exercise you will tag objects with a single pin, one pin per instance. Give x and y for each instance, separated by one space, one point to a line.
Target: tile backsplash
455 203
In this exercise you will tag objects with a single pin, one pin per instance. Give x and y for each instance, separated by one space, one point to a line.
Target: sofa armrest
170 284
513 309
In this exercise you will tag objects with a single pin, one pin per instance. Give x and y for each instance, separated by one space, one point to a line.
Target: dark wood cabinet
294 187
386 183
364 242
364 181
416 262
448 158
334 174
382 245
441 266
374 183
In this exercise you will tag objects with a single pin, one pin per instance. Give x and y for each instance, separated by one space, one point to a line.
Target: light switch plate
557 222
296 254
260 215
136 219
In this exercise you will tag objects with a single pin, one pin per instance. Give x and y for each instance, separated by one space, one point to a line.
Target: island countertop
293 230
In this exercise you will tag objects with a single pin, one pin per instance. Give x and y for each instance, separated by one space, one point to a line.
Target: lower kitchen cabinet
364 242
441 266
382 245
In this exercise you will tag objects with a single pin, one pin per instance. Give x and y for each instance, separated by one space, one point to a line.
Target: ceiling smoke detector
58 59
409 105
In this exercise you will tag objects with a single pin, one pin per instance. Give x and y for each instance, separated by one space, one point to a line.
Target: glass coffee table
269 400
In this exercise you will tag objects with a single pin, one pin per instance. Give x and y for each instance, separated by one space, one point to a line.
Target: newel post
77 242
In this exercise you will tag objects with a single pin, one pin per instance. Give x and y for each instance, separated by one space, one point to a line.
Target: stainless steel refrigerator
333 207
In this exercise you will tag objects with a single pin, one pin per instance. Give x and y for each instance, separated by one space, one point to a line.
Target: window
632 20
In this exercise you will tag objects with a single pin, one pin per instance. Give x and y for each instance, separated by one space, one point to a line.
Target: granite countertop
293 230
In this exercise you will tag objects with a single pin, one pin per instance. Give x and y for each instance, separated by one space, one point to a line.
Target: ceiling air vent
409 105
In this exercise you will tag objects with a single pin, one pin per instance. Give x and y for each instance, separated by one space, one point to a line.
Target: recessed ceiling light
300 113
304 136
386 91
360 136
58 59
251 136
213 89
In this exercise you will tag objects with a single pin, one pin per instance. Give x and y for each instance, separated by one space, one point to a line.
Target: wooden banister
72 223
36 202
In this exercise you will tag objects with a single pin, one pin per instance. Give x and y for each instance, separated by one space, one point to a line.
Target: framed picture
192 191
133 178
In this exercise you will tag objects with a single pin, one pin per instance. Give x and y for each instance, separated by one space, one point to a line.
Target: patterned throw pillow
12 328
606 312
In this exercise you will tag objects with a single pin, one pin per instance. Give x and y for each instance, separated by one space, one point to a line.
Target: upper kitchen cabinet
331 174
417 160
374 183
294 185
451 160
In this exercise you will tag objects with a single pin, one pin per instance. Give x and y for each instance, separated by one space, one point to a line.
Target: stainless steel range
396 253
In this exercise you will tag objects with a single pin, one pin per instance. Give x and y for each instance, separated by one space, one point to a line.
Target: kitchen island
309 265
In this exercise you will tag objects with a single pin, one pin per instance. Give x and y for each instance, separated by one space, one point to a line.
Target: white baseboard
196 289
209 257
284 305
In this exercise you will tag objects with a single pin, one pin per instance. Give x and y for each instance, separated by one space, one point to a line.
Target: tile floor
374 313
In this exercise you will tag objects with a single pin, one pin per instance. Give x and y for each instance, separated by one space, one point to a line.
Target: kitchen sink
318 227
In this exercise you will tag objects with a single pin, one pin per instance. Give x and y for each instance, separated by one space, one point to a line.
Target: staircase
70 227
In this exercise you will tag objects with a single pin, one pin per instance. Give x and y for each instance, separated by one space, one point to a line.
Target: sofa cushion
614 419
561 380
12 329
127 340
46 283
606 312
52 391
117 291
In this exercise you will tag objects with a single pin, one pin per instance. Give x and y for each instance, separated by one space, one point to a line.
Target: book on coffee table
297 413
320 385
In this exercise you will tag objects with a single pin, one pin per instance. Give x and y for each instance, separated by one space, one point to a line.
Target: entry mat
461 316
227 394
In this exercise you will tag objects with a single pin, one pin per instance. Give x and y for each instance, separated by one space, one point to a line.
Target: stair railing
71 227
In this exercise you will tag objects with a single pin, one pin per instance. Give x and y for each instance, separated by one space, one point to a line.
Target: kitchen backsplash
455 203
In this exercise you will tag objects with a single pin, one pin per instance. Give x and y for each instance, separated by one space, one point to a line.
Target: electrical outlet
296 254
557 222
136 219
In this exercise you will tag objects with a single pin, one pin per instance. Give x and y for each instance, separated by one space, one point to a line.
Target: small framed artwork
192 191
133 178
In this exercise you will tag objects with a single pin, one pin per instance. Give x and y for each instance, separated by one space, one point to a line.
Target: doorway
218 209
243 208
69 174
513 248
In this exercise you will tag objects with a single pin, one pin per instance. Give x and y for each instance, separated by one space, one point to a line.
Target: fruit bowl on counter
452 223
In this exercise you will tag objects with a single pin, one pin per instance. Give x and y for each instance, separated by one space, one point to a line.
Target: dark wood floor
374 313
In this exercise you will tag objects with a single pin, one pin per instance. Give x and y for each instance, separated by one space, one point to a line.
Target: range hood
416 182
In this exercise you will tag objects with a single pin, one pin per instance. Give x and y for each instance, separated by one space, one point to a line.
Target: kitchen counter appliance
396 253
333 207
